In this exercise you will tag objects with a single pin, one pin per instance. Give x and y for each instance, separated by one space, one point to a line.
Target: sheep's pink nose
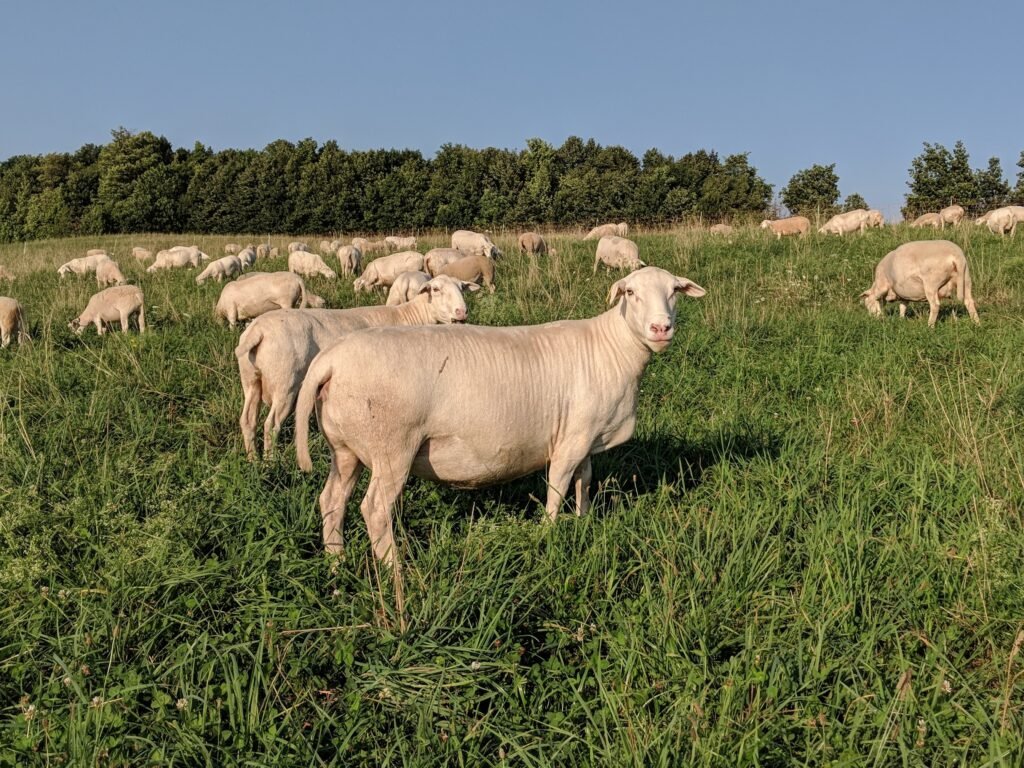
660 330
460 314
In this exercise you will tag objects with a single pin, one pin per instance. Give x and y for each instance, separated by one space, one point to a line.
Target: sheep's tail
318 375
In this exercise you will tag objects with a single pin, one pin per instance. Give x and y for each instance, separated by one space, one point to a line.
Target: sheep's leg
582 477
99 327
561 471
903 309
385 487
5 338
933 304
250 412
345 471
281 408
124 322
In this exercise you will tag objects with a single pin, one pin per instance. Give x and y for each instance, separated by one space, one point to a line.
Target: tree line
138 182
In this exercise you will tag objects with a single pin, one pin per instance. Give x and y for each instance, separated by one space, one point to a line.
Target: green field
809 554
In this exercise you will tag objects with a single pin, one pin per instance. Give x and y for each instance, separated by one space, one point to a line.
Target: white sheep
309 265
475 242
617 253
110 305
224 267
381 272
12 322
259 292
108 273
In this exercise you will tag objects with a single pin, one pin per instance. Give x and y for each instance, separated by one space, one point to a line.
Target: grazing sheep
247 256
335 245
475 242
923 270
173 260
875 218
232 248
309 265
261 292
192 249
568 390
720 229
844 223
381 273
108 273
794 225
1017 211
109 305
622 229
325 247
617 253
927 220
374 246
1000 221
952 214
360 243
405 287
263 251
535 245
275 350
224 267
401 243
350 259
296 245
142 254
82 265
602 230
436 258
12 322
472 269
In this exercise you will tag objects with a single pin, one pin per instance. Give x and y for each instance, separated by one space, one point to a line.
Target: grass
809 554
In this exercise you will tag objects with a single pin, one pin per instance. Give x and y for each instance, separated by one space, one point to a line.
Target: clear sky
793 83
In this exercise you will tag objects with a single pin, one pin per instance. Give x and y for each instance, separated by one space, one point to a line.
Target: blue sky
797 83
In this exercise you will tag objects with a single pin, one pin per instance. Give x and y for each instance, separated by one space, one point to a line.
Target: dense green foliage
139 183
939 178
853 202
809 554
813 192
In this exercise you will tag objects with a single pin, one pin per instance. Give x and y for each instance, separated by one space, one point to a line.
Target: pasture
809 554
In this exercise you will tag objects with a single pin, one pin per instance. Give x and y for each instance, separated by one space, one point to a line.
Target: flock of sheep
568 388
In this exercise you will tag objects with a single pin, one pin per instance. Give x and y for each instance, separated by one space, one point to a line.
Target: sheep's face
447 304
647 302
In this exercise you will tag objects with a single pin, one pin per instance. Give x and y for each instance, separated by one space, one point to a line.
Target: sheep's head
647 301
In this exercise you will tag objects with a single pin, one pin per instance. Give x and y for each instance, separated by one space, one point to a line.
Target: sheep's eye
436 290
629 291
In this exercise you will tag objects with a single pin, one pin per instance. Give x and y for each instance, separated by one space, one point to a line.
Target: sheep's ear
467 286
617 289
425 288
688 287
865 294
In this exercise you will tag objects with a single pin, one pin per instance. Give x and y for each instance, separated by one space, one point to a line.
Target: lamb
275 350
226 266
171 259
401 243
794 225
232 248
844 223
82 265
261 292
12 322
110 304
405 287
309 265
918 271
602 230
108 273
535 245
720 229
568 390
142 254
436 258
381 273
875 218
952 214
472 269
617 253
350 259
927 220
296 245
475 242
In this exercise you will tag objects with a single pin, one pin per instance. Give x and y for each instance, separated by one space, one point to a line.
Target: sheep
436 258
602 230
260 292
381 273
350 259
108 273
82 265
568 390
12 322
173 260
405 287
927 220
875 218
375 246
274 352
336 244
309 265
535 245
247 256
296 245
720 229
1000 221
952 214
475 242
622 229
191 249
401 243
97 252
617 253
263 251
142 254
226 266
110 304
360 243
918 271
1017 211
472 269
843 223
325 247
794 225
232 248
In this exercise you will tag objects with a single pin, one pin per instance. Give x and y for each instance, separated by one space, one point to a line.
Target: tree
939 178
854 201
992 189
814 190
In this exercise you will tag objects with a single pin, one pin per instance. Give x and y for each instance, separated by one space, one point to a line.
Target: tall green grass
809 554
